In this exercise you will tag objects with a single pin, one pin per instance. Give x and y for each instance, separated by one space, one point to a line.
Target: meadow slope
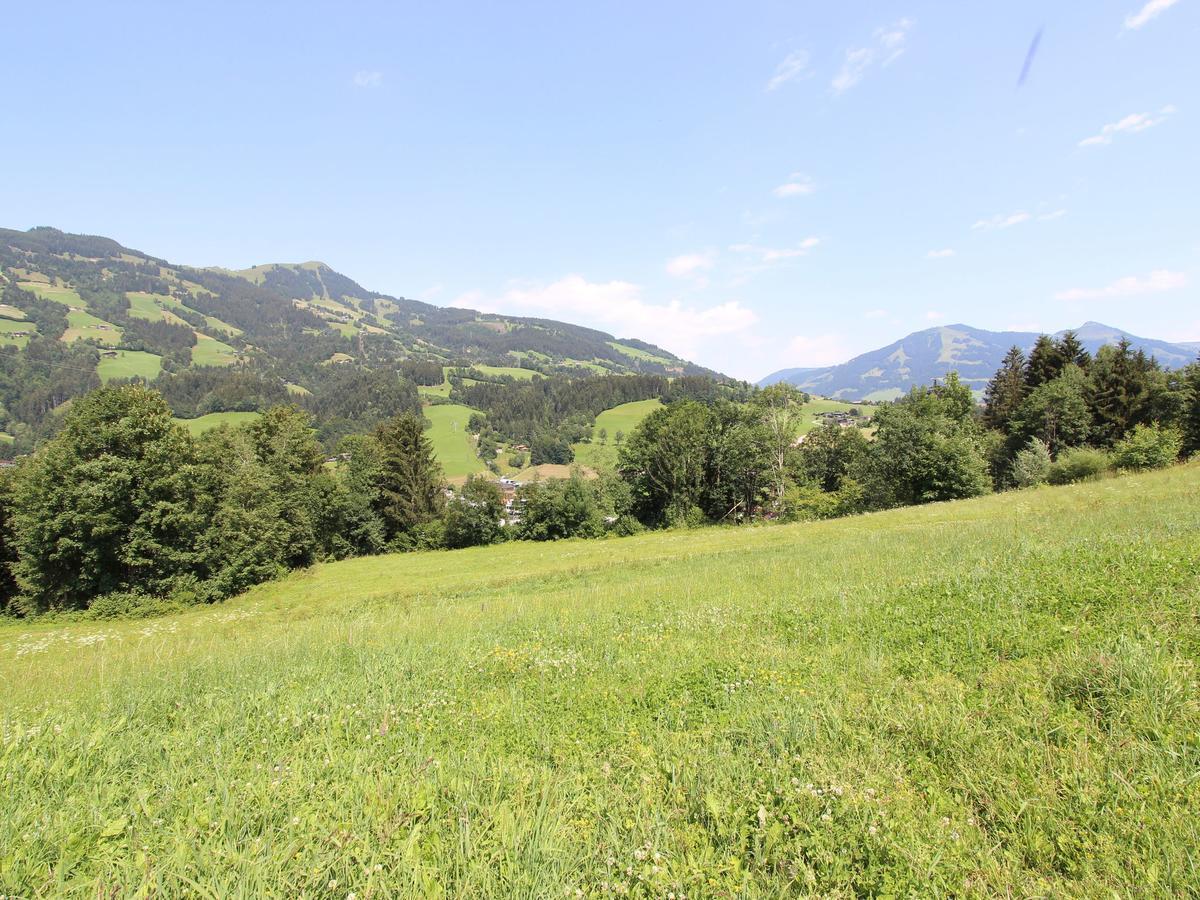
981 698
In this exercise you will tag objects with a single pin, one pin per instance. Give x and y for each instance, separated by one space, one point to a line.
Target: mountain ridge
975 353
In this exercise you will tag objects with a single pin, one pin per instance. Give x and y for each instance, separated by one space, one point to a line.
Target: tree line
121 504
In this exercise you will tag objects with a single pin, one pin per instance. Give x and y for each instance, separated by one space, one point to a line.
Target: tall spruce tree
410 479
1005 391
1044 364
1072 351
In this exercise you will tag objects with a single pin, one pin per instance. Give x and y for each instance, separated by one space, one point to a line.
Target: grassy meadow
129 364
623 418
211 352
993 697
452 443
201 424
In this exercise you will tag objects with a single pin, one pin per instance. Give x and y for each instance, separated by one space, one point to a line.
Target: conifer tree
1005 391
410 479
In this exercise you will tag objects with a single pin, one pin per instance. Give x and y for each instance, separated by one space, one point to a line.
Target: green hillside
452 443
624 418
984 698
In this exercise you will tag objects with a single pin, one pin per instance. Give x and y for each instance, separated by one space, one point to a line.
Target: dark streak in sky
1033 49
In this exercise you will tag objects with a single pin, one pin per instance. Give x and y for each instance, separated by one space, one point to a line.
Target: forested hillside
77 311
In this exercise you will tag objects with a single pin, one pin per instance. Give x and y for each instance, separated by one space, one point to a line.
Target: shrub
1148 447
128 605
1032 464
1077 464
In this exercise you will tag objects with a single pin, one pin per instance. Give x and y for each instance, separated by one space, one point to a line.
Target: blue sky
751 185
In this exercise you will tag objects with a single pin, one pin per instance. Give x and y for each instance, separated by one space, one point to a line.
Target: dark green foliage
828 456
1190 413
1046 361
473 515
1005 391
928 447
1056 412
550 447
109 505
664 462
410 479
559 508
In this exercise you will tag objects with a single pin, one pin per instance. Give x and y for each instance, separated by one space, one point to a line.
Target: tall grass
993 697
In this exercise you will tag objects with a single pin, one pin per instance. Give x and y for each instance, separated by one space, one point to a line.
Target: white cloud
776 254
1131 124
1000 220
367 79
933 315
818 350
797 185
1155 283
890 42
875 314
618 307
1051 216
793 66
939 254
689 265
1146 13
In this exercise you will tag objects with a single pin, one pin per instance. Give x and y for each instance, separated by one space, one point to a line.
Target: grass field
986 698
624 418
63 295
510 371
129 364
638 353
451 442
211 352
11 312
819 405
83 326
9 329
202 424
154 307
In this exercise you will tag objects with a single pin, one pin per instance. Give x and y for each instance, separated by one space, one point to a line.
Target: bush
1077 464
1032 464
128 605
1148 447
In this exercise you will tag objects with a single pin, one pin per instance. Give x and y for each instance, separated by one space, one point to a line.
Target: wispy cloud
934 316
1131 124
1150 11
689 265
888 45
619 307
368 79
797 185
939 254
793 66
1156 282
1000 220
1051 216
875 314
777 254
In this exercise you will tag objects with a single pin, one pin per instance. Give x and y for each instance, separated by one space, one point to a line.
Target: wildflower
872 830
762 817
332 883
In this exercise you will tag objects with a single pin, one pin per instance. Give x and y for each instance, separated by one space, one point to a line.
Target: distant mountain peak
974 353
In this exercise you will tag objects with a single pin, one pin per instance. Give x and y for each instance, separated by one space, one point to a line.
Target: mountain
974 353
297 315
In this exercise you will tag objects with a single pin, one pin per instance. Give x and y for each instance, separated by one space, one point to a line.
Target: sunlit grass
991 697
